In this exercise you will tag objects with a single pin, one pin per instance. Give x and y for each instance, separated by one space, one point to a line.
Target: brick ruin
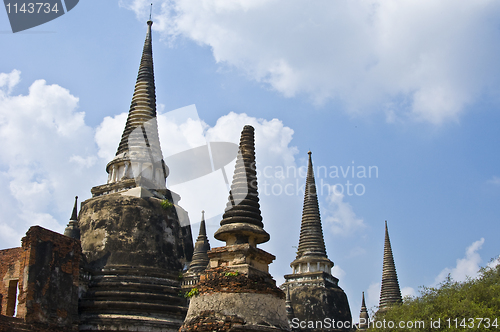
46 272
9 272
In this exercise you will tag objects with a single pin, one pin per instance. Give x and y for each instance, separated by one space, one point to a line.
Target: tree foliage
472 305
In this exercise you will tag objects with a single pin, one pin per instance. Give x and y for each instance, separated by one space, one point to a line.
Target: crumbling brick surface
224 280
9 270
212 321
48 283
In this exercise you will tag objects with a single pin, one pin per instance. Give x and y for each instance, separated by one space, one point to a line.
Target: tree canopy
472 305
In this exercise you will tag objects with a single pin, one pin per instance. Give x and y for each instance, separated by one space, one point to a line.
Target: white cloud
493 263
373 295
339 215
182 129
466 267
108 135
10 80
83 162
424 60
47 156
408 291
338 273
272 141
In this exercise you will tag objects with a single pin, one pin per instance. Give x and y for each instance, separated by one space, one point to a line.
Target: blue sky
410 88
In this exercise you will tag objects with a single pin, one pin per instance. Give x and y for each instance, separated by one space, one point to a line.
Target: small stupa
364 318
200 260
73 230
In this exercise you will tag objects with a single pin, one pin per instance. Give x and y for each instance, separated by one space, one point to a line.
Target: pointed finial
74 215
201 247
72 230
203 230
311 241
364 318
150 11
242 220
390 292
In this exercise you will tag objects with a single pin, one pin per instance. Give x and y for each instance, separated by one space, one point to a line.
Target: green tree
472 305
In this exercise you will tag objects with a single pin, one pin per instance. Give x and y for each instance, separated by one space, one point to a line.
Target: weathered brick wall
9 274
48 284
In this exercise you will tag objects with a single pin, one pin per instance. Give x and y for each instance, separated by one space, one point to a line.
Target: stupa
135 237
390 293
314 294
236 292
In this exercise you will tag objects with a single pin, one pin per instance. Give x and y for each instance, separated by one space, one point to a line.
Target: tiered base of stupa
125 298
237 293
316 297
135 248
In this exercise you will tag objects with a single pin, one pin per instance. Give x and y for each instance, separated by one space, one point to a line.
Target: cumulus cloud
46 156
466 267
182 129
108 134
408 291
10 80
339 215
49 154
338 272
494 262
373 295
420 60
272 141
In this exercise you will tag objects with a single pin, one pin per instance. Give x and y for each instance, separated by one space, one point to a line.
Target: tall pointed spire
72 230
311 248
143 106
390 293
242 221
139 153
200 256
363 315
311 240
142 242
313 292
